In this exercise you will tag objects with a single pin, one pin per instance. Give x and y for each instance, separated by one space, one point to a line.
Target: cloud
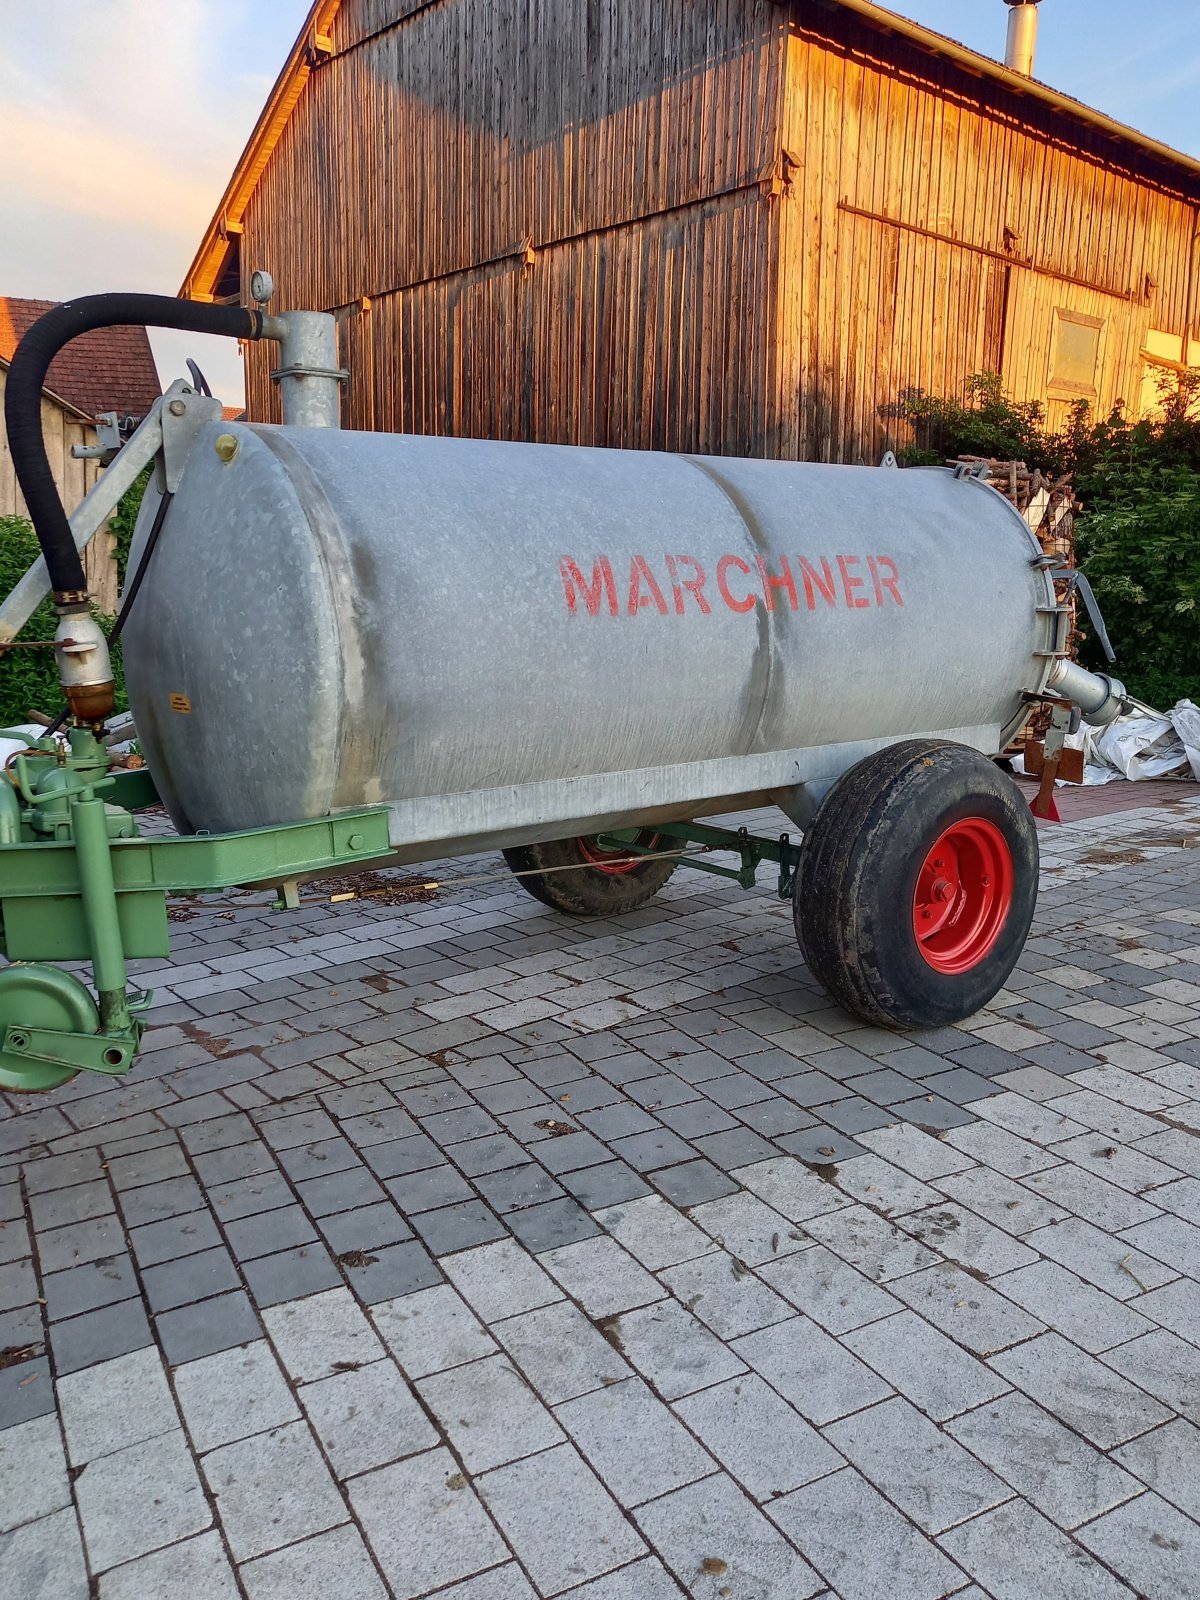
120 123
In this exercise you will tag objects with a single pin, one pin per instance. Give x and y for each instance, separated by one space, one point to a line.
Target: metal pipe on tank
309 378
1022 36
1100 698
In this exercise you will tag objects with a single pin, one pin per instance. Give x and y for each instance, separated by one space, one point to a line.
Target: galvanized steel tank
507 642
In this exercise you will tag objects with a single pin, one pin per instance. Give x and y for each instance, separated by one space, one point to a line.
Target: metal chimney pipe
1022 36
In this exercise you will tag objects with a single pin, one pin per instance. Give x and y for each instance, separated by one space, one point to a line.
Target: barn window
1075 354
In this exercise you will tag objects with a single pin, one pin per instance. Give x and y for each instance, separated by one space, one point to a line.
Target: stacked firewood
1050 508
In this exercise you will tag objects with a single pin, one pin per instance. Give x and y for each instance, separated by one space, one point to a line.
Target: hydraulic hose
23 405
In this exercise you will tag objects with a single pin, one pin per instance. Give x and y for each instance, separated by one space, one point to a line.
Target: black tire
856 887
588 891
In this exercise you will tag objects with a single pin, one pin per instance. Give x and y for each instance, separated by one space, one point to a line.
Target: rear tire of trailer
576 876
917 885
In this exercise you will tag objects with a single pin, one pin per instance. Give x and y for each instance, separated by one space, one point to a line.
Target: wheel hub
616 863
963 895
35 996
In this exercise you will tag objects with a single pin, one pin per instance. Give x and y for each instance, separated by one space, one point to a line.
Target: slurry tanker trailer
349 649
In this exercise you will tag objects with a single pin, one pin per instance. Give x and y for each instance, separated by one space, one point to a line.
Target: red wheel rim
963 896
616 863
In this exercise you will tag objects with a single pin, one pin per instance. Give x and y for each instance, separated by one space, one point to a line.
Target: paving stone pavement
456 1248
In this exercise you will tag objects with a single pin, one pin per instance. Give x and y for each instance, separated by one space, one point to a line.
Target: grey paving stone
633 1442
261 1191
879 1248
1080 1311
98 1335
1168 1460
431 1330
930 1477
569 1152
692 1182
233 1394
366 1418
140 1499
923 1364
1014 1551
551 1225
191 1278
1167 1239
151 1202
391 1270
200 1330
492 1153
561 1523
643 1580
602 1276
339 1191
59 1248
1053 1468
489 1413
654 1232
272 1489
268 1232
918 1153
429 1189
445 1536
608 1184
1089 1196
1164 1366
500 1280
33 1472
725 1295
458 1227
364 1228
1001 1201
962 1236
833 1294
757 1436
87 1287
44 1560
56 1208
967 1311
737 1147
59 1172
812 1371
1118 1269
291 1274
115 1404
313 1335
561 1354
195 1567
333 1563
517 1187
1079 1391
233 1162
1177 1307
1150 1544
712 1521
748 1228
669 1346
876 1183
178 1236
694 1118
789 1187
861 1543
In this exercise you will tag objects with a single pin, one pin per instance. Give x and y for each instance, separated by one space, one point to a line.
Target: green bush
29 678
1138 538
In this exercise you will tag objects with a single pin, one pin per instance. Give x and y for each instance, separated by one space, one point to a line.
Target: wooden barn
732 226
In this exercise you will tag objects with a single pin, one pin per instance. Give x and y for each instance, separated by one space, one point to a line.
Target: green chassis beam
41 891
752 850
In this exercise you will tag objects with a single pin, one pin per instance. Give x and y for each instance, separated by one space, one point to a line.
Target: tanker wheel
577 876
34 996
917 884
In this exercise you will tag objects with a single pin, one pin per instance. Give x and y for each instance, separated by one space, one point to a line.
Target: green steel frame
79 883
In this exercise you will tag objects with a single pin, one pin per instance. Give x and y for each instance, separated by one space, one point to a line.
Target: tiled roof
111 369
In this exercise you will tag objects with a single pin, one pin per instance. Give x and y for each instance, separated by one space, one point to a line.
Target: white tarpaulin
1142 744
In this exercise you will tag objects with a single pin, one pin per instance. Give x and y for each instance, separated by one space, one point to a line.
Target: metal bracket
184 414
111 1054
972 469
1074 579
108 440
342 374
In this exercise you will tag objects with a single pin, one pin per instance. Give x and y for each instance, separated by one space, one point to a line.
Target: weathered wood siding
730 226
61 429
629 147
927 238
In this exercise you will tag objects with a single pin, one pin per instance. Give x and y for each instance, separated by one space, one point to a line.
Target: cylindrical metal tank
507 642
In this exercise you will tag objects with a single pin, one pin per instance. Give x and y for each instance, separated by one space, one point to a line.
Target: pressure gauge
262 287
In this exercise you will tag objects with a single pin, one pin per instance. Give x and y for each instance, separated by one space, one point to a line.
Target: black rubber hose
23 403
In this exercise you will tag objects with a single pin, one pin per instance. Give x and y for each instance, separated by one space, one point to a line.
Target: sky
121 121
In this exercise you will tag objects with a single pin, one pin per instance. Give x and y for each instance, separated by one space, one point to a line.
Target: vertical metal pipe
1022 36
98 893
309 378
